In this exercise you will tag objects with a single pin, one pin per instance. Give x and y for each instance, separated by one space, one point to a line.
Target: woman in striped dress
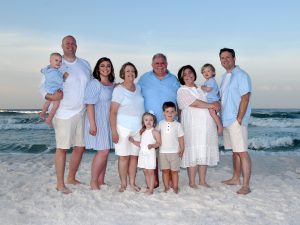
98 96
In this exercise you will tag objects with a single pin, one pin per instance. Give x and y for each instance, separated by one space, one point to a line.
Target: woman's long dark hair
96 73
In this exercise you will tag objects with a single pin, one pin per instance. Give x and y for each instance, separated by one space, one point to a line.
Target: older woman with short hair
126 111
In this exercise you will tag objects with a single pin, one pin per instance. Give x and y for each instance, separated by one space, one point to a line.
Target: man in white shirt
68 122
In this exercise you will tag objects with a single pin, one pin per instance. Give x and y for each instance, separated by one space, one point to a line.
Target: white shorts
236 137
69 132
124 147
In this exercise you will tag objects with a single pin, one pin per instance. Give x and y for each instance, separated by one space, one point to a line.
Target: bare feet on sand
166 189
176 190
149 192
122 189
94 185
42 117
135 187
103 185
244 191
205 185
193 186
231 182
74 182
64 190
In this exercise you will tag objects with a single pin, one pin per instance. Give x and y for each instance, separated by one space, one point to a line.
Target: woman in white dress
200 131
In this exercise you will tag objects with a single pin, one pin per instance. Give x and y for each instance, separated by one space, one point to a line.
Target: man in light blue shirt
235 93
158 86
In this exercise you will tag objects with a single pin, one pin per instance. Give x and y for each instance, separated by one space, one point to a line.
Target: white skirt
200 138
147 159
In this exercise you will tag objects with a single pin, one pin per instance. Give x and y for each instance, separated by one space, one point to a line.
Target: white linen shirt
170 132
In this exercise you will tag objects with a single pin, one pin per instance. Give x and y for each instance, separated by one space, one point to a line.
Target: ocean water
270 131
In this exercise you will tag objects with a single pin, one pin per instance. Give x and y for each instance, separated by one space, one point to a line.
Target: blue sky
265 35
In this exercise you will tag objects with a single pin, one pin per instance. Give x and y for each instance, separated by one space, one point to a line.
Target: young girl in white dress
150 140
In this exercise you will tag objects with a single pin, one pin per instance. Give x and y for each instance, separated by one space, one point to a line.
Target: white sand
28 196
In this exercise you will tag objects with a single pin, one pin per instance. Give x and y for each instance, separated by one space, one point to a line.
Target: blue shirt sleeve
244 84
210 83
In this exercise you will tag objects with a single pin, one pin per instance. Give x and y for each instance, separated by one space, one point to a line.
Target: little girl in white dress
150 140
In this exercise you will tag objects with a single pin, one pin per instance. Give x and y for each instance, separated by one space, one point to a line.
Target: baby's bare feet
49 122
42 117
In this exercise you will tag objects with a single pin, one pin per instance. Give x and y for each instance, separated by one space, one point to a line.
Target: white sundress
200 130
147 157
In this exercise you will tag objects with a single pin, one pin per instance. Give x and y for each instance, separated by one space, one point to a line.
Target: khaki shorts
69 132
124 147
169 161
236 137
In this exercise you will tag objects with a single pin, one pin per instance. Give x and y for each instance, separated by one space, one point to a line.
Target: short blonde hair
208 65
55 54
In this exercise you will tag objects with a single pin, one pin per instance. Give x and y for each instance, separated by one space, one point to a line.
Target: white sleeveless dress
147 157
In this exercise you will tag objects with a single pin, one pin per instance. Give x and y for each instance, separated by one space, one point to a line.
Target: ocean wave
26 148
277 114
273 143
35 149
274 122
14 112
21 122
28 126
18 120
262 144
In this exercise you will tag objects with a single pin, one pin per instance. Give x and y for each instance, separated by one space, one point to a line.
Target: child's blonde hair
55 54
208 65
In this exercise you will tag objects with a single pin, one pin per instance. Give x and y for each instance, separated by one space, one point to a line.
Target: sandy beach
28 195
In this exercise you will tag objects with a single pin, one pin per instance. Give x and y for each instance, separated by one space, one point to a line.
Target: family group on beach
160 118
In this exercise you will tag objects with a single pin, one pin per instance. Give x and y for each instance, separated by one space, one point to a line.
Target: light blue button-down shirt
238 85
156 92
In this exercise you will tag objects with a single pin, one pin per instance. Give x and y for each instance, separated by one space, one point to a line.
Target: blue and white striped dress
100 96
